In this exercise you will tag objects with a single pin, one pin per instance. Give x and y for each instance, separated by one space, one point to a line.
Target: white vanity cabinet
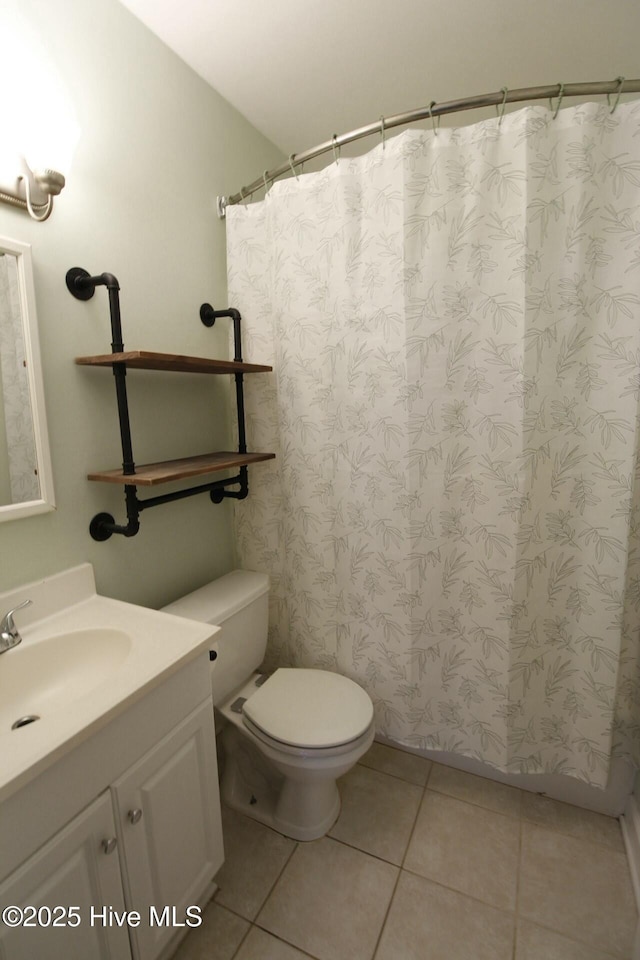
169 847
127 820
79 867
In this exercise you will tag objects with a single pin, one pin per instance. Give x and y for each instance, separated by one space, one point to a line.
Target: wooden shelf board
151 474
147 360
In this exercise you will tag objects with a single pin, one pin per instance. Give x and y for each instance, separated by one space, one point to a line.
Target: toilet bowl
298 732
285 738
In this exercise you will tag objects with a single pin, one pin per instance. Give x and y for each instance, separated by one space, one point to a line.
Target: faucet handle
8 626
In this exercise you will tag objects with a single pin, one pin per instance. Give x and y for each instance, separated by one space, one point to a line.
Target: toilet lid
310 708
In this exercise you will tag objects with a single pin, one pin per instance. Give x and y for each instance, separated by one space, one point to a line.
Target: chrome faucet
9 634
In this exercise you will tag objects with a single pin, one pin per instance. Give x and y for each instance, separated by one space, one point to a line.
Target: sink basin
84 660
49 675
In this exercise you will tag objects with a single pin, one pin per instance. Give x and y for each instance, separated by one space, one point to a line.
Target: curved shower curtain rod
618 86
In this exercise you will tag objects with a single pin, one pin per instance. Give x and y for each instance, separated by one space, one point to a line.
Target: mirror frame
27 297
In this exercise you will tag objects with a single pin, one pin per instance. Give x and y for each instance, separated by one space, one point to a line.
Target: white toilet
289 736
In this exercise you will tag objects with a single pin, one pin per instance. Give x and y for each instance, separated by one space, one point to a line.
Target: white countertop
160 644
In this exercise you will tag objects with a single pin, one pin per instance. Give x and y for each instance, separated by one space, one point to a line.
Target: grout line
415 821
461 893
544 925
522 816
246 934
289 943
474 803
223 906
275 882
281 871
252 923
395 886
386 915
429 773
396 776
606 953
518 872
367 853
571 836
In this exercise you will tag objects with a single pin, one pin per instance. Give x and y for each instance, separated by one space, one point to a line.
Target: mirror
26 480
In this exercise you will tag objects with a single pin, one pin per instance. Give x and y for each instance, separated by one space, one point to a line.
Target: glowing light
38 120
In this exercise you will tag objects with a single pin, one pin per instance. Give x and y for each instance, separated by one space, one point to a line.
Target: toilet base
302 811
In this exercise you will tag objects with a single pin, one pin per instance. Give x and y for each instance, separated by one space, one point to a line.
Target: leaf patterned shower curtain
453 516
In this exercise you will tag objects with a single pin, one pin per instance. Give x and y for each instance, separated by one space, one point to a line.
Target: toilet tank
239 604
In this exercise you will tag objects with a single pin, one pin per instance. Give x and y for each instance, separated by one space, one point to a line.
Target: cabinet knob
135 815
109 845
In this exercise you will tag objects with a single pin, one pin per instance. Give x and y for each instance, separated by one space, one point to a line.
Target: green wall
157 146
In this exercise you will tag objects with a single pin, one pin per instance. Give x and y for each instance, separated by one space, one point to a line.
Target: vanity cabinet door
75 870
168 811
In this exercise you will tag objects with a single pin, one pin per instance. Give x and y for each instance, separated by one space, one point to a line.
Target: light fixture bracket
49 181
30 190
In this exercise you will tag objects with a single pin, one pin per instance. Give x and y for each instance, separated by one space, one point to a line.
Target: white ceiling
302 70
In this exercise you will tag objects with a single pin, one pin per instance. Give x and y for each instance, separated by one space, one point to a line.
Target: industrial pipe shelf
152 474
171 362
82 286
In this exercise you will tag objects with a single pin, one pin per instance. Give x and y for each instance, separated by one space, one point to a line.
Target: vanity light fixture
33 190
39 124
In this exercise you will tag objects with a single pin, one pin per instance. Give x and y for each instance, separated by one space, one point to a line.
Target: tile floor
424 863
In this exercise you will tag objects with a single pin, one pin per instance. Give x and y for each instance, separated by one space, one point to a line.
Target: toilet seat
308 710
307 754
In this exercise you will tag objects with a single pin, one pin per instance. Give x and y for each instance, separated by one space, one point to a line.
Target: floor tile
466 847
378 813
578 888
254 857
456 897
429 922
330 901
397 763
485 793
217 938
261 945
536 943
574 821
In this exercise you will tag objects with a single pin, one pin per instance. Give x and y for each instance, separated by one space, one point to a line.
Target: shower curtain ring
560 96
433 125
504 91
382 131
336 149
618 93
293 169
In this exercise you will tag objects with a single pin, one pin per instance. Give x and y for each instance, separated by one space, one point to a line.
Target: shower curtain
453 517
